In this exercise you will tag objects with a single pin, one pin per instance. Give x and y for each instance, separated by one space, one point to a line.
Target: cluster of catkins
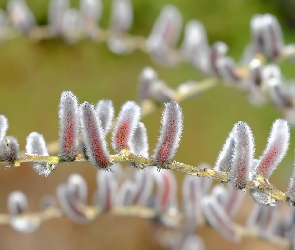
94 122
259 80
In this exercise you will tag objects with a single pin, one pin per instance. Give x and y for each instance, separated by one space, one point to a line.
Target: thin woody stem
92 212
274 195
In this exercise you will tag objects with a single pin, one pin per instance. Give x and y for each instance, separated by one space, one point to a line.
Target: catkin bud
20 15
9 149
226 68
165 35
267 35
36 145
278 143
72 25
224 160
121 21
69 126
147 79
264 219
143 187
170 134
105 195
124 197
93 137
192 196
218 50
139 142
17 203
218 219
255 71
233 200
3 126
91 11
126 125
243 155
72 196
195 44
167 188
168 26
105 112
56 11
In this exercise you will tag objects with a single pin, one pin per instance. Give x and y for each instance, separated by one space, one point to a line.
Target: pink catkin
121 136
126 125
217 217
243 155
73 198
164 201
107 189
268 159
94 141
69 126
233 201
278 143
170 133
167 144
139 191
69 136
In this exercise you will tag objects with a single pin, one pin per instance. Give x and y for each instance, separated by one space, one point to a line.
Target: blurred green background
33 75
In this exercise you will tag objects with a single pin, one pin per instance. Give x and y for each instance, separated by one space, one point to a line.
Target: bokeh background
33 75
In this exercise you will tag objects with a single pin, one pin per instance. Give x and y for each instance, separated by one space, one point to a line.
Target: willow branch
274 195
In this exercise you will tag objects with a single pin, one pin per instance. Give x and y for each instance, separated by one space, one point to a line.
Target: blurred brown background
33 75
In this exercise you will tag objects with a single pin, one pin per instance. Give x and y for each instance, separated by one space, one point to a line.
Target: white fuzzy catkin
243 155
120 23
195 44
167 189
233 200
121 16
93 136
126 125
226 68
20 15
56 11
219 220
192 196
144 187
17 203
105 196
9 149
224 160
91 11
167 27
139 142
105 112
72 196
68 126
277 146
147 80
170 134
125 193
3 126
36 145
264 219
